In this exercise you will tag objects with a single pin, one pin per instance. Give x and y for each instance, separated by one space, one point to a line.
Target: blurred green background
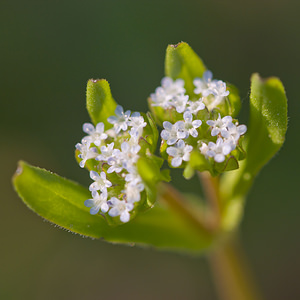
49 49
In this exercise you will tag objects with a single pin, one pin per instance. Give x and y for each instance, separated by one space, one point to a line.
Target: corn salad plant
193 121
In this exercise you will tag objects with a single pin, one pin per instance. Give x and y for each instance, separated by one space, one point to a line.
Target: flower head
115 162
220 125
137 124
120 120
170 133
97 202
191 126
86 152
120 208
215 89
234 132
101 183
133 190
173 87
179 102
167 92
121 156
218 150
180 152
95 135
194 106
106 152
203 86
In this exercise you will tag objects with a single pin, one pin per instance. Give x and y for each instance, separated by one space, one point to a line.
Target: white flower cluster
171 95
228 136
212 91
175 133
116 199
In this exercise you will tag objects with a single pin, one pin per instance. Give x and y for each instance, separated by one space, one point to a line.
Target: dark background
49 49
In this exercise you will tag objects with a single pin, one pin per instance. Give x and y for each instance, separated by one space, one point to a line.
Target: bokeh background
49 49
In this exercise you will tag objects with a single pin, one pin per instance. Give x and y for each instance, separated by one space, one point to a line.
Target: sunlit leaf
182 62
265 136
61 201
99 101
234 100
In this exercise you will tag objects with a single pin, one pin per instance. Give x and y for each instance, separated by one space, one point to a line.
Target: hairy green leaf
99 101
61 201
182 62
266 134
234 101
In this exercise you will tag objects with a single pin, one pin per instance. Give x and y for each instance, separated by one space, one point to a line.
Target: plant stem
231 273
176 201
211 190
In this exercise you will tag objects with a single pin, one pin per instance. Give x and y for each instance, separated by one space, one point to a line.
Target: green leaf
152 136
149 170
266 134
182 62
199 162
231 164
99 101
61 201
188 172
234 100
165 175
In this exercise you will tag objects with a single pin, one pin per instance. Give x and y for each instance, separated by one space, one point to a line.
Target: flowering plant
130 199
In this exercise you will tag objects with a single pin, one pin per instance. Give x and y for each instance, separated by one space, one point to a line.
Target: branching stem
212 194
176 201
231 272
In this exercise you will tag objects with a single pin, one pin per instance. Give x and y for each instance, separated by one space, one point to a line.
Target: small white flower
133 190
188 126
137 123
163 95
133 175
120 121
115 162
206 86
218 89
111 133
120 208
95 135
195 106
234 132
101 183
86 152
133 141
129 154
124 158
171 87
98 202
219 149
204 148
203 86
220 125
179 102
180 152
160 98
169 133
106 152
